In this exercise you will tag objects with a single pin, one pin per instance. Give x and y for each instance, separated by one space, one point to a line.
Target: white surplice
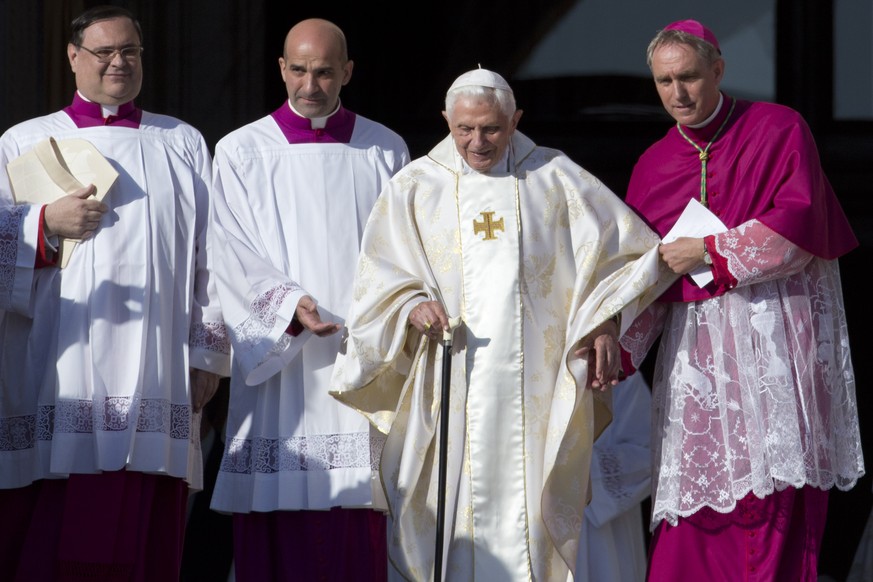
612 547
95 360
753 390
532 256
289 223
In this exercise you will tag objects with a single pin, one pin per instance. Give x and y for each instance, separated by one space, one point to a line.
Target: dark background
214 64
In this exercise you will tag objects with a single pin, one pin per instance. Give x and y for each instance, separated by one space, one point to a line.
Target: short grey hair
500 97
707 51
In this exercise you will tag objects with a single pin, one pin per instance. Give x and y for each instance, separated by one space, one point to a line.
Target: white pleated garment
289 223
107 342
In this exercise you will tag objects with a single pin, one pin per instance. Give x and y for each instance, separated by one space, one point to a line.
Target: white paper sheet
696 221
56 168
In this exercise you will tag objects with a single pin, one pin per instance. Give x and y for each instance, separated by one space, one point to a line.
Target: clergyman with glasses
106 362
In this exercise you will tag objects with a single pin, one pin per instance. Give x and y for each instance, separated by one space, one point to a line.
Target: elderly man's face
115 82
481 131
687 84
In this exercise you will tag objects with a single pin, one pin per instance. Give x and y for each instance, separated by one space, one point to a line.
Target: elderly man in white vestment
107 361
293 191
534 255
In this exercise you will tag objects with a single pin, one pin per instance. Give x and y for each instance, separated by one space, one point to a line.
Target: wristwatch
706 258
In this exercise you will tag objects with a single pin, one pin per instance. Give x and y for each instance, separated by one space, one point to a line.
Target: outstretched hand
75 215
601 349
307 315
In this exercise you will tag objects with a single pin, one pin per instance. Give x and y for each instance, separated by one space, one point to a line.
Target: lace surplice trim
304 453
18 433
263 315
643 332
77 417
210 336
761 394
155 415
10 223
755 253
612 474
280 346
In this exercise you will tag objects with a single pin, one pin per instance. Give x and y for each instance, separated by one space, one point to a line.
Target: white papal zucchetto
481 77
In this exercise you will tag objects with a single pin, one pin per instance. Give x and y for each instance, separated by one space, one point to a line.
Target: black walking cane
446 383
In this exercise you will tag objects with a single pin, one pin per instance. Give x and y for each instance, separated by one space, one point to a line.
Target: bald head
315 66
319 30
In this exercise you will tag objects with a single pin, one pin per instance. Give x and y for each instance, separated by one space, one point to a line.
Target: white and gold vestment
532 257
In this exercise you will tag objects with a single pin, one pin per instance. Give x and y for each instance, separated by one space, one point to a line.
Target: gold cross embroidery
488 225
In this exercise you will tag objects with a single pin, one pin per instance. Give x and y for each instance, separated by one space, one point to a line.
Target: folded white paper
696 221
56 168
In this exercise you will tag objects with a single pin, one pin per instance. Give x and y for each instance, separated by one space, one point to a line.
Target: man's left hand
308 316
203 387
604 355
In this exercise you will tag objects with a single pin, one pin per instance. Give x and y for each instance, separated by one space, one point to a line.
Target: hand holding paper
57 174
76 215
696 221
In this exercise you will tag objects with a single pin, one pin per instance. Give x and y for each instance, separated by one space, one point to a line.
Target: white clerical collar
709 119
317 122
107 110
504 162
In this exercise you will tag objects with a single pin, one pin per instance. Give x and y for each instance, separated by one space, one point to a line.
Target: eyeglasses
130 54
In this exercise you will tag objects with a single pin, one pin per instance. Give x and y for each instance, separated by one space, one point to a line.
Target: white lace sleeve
755 253
262 348
643 332
263 315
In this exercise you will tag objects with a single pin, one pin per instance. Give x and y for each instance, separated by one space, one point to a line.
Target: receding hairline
501 98
320 25
101 14
666 38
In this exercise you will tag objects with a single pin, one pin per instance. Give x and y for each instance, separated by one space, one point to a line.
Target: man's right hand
683 255
430 319
75 215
